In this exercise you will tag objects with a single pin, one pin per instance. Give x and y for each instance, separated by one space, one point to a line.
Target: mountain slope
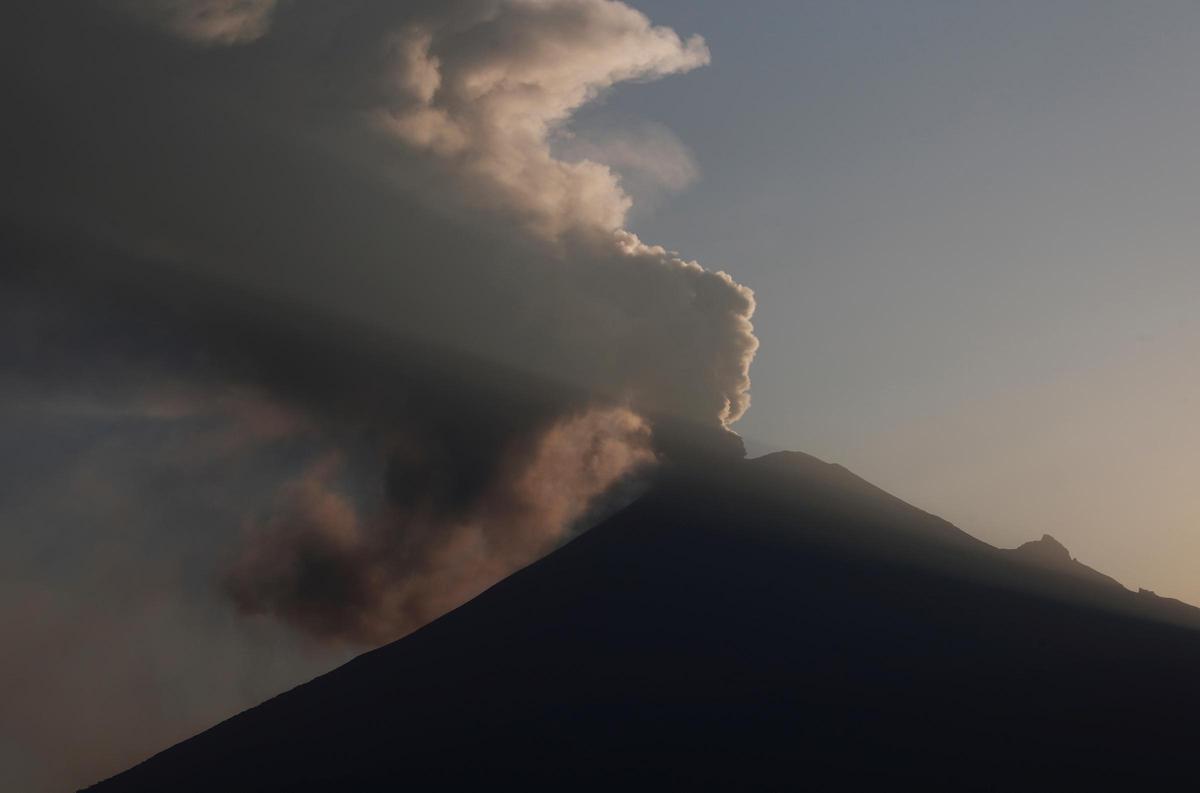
1053 555
773 622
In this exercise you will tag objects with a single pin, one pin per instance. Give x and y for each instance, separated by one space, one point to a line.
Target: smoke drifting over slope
316 562
388 164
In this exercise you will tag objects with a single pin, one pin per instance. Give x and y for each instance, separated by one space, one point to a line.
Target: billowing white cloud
484 92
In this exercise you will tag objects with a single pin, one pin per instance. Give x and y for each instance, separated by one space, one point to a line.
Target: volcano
775 622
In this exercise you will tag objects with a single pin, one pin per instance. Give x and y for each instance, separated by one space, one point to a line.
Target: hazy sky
972 232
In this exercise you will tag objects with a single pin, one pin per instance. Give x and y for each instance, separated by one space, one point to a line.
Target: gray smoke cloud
362 173
317 562
316 319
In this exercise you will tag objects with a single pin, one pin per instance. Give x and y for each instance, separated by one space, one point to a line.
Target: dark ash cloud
390 163
345 242
309 319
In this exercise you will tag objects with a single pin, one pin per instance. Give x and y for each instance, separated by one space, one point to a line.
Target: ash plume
318 563
475 349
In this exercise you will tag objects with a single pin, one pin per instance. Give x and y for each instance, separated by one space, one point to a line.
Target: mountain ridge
726 626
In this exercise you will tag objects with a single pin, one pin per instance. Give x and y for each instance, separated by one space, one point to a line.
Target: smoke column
379 171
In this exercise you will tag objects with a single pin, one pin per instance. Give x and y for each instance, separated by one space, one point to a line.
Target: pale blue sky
972 229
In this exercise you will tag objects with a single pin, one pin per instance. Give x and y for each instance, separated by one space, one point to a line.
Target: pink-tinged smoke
318 563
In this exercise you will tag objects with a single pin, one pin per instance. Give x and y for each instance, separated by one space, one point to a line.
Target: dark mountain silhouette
775 622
